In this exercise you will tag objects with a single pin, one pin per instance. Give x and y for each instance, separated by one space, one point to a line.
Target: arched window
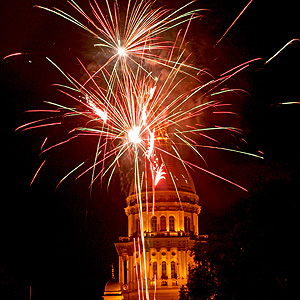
171 223
155 270
173 270
187 224
164 270
153 224
163 223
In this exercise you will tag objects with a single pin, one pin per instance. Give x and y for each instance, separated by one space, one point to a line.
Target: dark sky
61 242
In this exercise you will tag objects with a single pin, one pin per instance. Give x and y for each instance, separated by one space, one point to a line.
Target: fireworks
132 38
144 102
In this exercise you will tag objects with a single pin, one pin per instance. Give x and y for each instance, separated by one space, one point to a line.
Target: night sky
61 241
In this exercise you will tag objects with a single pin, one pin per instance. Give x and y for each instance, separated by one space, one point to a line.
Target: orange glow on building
169 235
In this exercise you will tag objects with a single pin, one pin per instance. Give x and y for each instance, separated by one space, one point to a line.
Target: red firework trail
233 22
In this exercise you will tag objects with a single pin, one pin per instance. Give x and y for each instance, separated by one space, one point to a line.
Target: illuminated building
169 235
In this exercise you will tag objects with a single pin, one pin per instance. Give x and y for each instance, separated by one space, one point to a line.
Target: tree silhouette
251 254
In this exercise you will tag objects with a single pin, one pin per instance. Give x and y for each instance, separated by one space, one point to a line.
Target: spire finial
112 271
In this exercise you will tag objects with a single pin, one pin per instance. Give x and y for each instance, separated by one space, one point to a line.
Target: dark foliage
252 253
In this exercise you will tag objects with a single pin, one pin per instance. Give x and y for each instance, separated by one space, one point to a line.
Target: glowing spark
280 50
144 116
43 144
102 114
158 173
151 143
152 91
134 135
233 22
36 173
121 51
13 54
155 283
287 103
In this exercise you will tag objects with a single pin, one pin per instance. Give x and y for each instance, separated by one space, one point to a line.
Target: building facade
169 233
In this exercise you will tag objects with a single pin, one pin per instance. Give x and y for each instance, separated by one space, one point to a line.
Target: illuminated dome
113 287
176 174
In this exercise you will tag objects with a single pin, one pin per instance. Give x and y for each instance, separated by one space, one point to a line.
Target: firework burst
141 117
138 105
131 39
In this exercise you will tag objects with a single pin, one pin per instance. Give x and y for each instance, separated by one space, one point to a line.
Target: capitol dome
176 174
